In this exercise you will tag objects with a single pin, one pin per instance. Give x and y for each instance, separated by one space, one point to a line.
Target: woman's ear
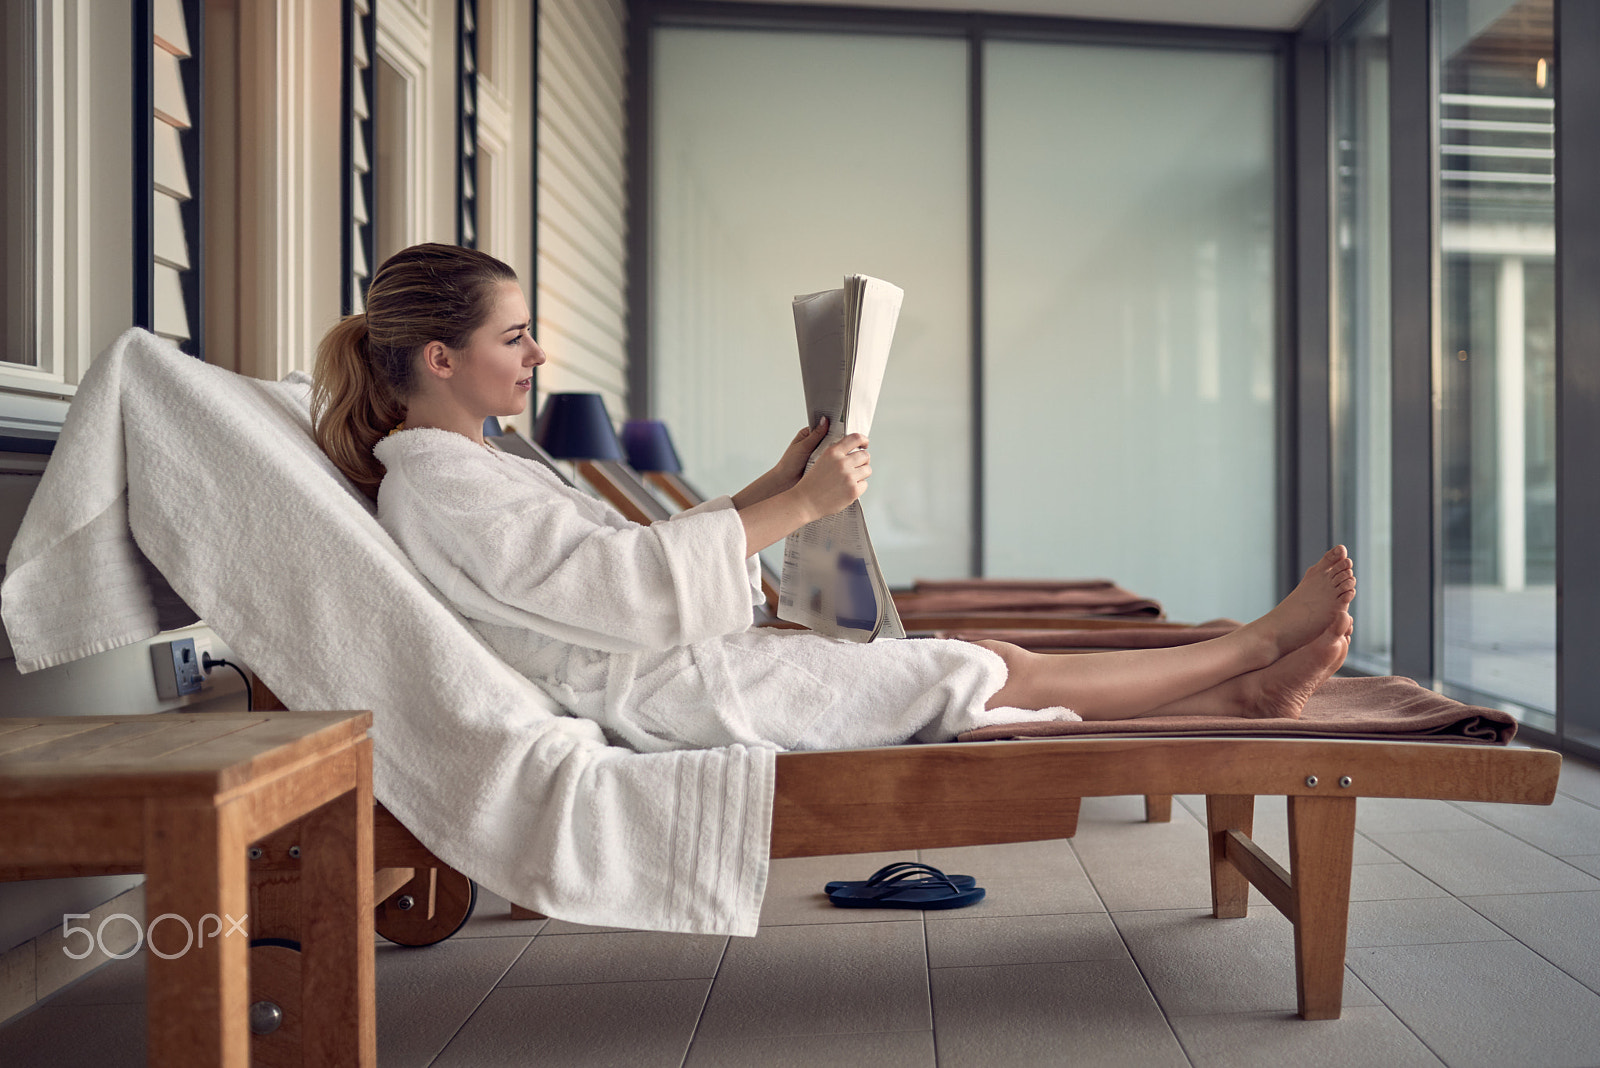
438 360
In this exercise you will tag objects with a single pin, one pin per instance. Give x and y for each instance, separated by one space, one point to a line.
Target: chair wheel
406 919
274 1002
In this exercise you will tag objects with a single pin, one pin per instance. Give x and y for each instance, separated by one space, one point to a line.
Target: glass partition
782 162
1360 374
1497 379
1129 227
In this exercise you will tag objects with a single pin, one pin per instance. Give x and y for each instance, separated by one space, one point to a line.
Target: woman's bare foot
1281 691
1311 607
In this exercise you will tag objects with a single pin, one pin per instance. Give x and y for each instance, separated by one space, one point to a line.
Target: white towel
219 483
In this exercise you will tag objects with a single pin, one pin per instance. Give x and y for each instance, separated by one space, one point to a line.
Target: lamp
575 426
650 446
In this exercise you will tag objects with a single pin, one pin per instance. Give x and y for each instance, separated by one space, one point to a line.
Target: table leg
336 916
1322 834
1230 889
195 891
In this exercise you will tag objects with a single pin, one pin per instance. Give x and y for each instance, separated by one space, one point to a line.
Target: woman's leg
1126 684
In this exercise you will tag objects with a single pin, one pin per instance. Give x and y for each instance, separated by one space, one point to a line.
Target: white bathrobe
646 629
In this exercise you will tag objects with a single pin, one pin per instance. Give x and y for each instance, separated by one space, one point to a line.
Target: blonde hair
366 364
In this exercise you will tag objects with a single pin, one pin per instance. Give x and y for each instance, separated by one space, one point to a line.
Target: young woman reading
646 629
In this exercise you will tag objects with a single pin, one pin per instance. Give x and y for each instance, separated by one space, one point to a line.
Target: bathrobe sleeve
507 543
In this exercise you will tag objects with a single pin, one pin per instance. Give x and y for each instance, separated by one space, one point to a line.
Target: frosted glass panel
783 162
1129 409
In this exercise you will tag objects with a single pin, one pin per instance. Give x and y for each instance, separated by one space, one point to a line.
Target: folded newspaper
831 579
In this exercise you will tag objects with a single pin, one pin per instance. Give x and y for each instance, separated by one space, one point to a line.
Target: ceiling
1249 14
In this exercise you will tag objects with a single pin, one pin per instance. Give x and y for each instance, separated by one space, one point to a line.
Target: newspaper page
831 579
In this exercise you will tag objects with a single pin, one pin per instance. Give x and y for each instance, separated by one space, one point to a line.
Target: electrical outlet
177 668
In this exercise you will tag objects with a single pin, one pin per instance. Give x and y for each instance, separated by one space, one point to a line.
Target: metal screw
1346 781
294 851
255 852
265 1018
404 902
1311 780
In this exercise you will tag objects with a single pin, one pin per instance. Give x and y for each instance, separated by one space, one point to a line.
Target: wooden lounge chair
899 798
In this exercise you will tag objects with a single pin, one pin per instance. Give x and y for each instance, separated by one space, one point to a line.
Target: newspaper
831 579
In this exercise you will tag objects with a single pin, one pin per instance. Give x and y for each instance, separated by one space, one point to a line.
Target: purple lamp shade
650 446
575 426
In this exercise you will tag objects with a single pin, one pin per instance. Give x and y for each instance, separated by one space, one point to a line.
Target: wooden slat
171 177
172 244
25 736
1002 783
1264 873
75 746
171 28
48 833
171 105
171 312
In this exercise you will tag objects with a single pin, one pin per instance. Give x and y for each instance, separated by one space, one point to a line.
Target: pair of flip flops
905 885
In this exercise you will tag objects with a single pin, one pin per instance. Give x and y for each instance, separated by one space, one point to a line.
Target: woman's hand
838 477
785 474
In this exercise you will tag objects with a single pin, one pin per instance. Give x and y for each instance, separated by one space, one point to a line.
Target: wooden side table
180 797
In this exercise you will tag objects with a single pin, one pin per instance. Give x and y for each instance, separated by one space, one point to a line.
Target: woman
646 630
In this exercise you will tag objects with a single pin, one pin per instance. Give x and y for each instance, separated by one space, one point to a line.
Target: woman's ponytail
351 410
366 365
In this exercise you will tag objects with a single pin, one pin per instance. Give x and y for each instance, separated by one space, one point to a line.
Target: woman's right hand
837 477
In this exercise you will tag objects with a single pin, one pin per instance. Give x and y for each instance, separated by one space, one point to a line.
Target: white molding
499 238
404 43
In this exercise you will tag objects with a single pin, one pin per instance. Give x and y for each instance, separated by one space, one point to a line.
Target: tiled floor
1474 941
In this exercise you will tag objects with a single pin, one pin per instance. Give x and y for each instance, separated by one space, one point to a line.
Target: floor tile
625 956
1150 866
1580 779
121 982
1562 928
1368 1037
1484 861
491 918
902 1049
641 1025
821 979
1390 882
424 995
566 927
1376 816
1563 828
1272 828
75 1036
1486 1004
1588 864
1024 940
1083 1012
1197 965
1417 922
1019 879
795 894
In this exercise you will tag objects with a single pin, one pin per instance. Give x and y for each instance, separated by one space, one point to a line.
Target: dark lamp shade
650 446
575 426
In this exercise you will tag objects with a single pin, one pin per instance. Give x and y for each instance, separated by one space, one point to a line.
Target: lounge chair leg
1321 844
1230 889
1158 808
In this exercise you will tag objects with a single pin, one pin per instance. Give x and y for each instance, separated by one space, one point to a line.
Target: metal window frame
466 123
978 29
352 128
1577 33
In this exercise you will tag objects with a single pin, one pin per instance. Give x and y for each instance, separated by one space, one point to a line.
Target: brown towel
1387 709
1101 639
1107 600
961 585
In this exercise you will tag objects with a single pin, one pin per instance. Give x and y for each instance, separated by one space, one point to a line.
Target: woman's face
495 373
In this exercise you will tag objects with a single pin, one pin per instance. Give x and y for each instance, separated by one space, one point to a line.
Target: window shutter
168 245
356 152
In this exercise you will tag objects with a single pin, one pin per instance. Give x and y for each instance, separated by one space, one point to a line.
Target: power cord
208 663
